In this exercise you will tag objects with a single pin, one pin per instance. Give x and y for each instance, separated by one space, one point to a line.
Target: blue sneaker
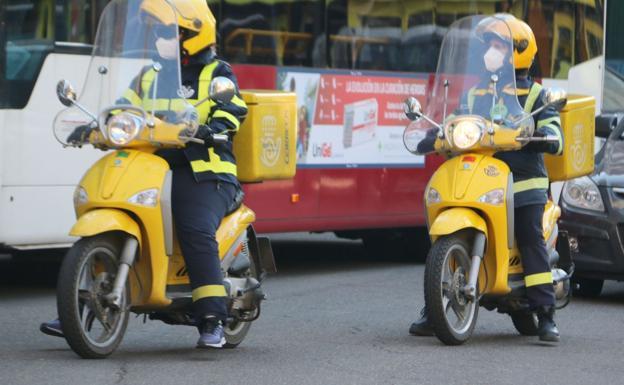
52 328
211 334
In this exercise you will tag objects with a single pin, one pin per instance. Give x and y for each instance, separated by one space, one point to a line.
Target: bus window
567 32
28 38
33 29
613 98
277 32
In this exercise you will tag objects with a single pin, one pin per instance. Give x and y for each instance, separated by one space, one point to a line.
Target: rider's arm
547 123
227 117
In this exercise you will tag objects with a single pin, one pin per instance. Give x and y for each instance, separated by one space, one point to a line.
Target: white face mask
493 59
167 48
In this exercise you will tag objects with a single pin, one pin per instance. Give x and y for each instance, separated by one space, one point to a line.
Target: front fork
478 250
128 254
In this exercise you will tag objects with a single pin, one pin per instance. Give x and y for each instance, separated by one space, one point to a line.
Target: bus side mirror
413 109
556 97
222 89
65 93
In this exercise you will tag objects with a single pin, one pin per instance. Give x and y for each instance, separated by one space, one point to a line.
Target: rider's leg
198 209
537 273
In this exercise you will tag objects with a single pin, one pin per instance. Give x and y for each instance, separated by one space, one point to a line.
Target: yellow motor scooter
127 258
469 200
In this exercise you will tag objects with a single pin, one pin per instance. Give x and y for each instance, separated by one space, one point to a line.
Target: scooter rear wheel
91 327
452 315
525 323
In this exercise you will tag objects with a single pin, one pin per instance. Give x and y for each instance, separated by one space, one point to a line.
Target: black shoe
421 326
547 329
52 328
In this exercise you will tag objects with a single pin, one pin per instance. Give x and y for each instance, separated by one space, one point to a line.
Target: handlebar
547 138
216 138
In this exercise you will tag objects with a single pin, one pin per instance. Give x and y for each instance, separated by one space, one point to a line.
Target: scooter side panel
478 174
132 171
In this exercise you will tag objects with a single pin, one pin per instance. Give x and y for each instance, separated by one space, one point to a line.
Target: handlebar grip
547 138
220 138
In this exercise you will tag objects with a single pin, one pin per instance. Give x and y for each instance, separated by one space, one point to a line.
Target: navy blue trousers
198 209
530 240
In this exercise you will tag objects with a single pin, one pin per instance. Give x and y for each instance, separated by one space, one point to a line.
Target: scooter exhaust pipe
128 255
478 249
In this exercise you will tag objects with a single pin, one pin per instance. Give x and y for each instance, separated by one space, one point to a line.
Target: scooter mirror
65 93
413 109
222 89
556 97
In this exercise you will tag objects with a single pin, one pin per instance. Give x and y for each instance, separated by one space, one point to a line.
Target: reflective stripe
559 137
536 88
204 80
226 115
471 98
239 102
146 82
518 91
165 104
132 97
208 291
203 92
530 184
543 122
215 164
538 279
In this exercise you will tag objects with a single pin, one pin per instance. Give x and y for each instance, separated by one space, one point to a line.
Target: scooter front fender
99 221
455 219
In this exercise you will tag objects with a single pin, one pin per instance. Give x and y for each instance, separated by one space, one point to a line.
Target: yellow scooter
469 200
127 258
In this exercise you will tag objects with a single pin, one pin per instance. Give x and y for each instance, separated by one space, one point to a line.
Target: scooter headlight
433 196
123 128
466 133
495 197
80 196
147 198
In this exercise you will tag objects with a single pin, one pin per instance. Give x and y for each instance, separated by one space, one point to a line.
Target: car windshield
135 62
475 76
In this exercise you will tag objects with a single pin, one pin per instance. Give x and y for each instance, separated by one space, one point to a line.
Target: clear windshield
135 62
475 76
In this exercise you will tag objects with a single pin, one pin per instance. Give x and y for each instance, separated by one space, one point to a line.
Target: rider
527 164
204 176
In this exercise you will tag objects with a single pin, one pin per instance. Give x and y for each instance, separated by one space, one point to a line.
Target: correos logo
270 142
578 148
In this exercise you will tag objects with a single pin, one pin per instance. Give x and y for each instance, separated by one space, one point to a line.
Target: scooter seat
236 203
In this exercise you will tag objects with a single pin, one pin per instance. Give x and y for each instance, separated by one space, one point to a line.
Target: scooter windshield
475 76
135 65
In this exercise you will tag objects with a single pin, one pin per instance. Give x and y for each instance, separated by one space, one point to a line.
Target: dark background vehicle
593 212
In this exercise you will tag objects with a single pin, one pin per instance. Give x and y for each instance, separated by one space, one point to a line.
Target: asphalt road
335 316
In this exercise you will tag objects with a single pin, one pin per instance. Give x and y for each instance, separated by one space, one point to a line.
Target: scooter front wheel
452 315
92 328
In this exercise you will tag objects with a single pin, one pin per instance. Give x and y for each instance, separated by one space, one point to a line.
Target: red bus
351 63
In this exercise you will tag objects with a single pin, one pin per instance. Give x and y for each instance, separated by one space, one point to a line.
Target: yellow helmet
501 25
194 16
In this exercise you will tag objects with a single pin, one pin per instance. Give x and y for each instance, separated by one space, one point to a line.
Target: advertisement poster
348 119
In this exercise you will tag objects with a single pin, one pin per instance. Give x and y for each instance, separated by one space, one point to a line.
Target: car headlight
123 128
147 198
583 193
433 196
466 133
494 197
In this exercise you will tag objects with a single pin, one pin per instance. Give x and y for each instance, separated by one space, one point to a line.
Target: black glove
205 133
80 134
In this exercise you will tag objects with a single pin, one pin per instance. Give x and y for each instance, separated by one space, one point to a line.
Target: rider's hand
80 134
205 133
